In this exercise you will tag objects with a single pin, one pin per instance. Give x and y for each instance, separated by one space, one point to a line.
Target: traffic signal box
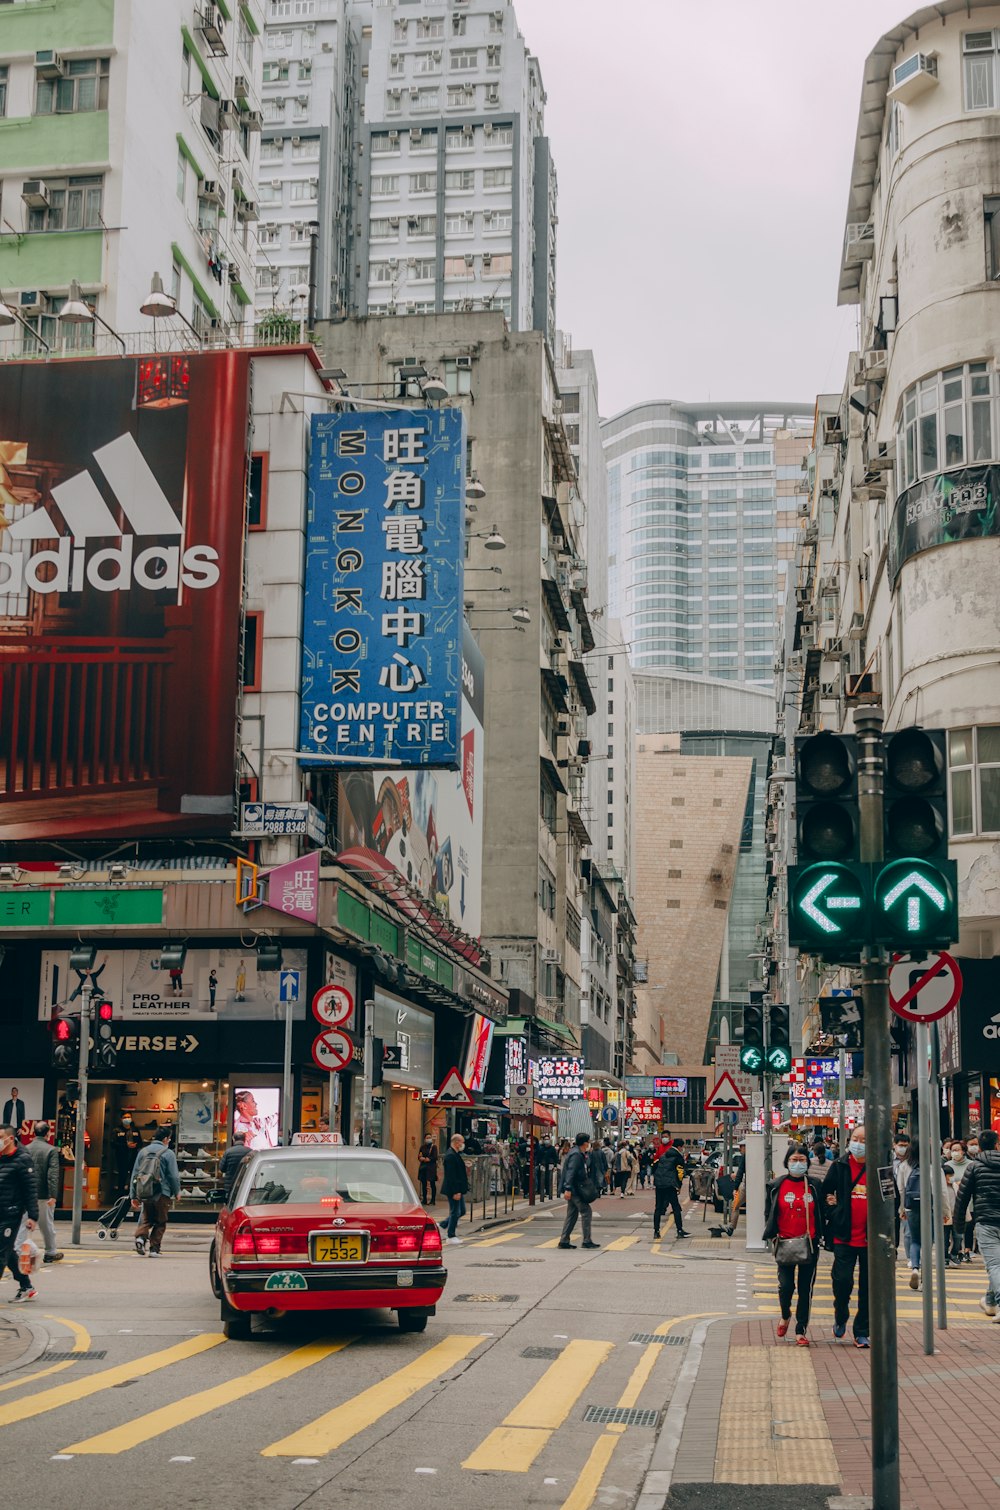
65 1040
752 1049
105 1055
909 901
779 1043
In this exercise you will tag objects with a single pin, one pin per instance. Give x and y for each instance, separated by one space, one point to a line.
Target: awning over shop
543 1115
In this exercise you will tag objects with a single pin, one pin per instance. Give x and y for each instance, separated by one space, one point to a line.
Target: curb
34 1345
657 1480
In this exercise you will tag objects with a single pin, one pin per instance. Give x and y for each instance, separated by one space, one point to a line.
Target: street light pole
366 1109
80 1146
927 1166
878 1133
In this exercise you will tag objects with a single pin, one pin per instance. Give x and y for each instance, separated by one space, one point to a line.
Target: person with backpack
155 1183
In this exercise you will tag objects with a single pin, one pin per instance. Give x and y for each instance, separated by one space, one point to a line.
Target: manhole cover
56 1356
617 1415
542 1352
485 1299
670 1341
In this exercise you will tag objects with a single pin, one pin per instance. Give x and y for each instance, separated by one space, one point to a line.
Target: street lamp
474 488
434 388
76 312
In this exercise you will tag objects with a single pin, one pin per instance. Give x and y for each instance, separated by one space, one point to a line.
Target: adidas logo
69 567
992 1028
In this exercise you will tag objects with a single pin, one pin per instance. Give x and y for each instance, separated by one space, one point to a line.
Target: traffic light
827 816
779 1044
829 908
65 1040
916 795
915 892
378 1059
105 1053
268 954
752 1049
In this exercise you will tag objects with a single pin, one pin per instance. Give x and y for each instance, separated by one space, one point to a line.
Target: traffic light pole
878 1135
80 1147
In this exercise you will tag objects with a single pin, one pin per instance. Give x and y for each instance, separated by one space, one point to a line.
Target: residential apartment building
703 507
129 147
900 552
526 607
456 185
306 186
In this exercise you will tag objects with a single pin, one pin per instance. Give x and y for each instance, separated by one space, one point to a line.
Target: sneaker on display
196 1190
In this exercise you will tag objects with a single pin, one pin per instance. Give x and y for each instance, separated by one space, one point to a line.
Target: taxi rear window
309 1181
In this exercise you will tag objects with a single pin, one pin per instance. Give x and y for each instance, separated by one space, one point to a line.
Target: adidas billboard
123 488
73 563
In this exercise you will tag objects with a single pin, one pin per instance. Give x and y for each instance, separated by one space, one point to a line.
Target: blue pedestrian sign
288 986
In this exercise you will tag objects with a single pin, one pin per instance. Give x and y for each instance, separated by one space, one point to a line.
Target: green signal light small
751 1057
780 1059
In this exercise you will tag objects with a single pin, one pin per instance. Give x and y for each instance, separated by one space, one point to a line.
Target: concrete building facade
899 574
702 516
128 146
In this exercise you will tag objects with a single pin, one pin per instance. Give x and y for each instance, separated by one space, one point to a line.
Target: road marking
43 1373
514 1446
553 1242
656 1246
181 1460
81 1337
620 1244
493 1242
191 1407
105 1378
339 1425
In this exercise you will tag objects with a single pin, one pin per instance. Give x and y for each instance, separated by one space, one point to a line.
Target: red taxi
325 1228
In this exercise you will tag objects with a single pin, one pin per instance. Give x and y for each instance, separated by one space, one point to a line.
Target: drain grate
542 1352
487 1299
52 1356
671 1341
617 1415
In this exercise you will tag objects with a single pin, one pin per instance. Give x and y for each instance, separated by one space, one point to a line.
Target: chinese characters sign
293 888
382 638
559 1079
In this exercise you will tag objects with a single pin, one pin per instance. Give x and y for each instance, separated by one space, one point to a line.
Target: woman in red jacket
793 1222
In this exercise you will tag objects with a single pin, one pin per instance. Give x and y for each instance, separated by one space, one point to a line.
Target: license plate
338 1248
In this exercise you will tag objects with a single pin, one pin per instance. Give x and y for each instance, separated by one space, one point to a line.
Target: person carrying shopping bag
792 1224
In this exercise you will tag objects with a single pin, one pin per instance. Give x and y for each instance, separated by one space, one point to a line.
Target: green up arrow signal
916 902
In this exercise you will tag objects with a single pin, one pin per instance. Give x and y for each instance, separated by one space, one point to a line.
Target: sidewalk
762 1412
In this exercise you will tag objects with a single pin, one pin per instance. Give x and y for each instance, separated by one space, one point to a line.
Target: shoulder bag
797 1250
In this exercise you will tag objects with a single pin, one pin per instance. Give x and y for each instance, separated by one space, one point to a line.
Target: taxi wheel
213 1274
237 1326
410 1321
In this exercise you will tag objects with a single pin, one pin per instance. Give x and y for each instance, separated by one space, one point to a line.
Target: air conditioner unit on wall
914 76
552 956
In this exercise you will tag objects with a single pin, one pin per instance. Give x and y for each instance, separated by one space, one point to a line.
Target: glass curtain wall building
703 506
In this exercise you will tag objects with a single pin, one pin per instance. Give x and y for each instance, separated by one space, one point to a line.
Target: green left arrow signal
827 905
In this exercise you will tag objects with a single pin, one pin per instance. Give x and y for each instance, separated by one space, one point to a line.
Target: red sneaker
783 1326
802 1341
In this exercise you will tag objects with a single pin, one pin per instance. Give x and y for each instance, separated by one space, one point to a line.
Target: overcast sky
704 149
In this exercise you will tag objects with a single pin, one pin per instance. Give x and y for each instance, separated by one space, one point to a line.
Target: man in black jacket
546 1160
233 1160
18 1199
981 1187
44 1158
577 1176
454 1185
668 1177
845 1192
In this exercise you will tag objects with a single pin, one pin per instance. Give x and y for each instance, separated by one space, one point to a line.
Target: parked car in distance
325 1228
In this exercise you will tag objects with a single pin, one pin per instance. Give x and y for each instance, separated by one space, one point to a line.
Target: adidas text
68 568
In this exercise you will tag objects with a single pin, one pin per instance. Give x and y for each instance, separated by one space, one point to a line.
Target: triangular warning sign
726 1097
452 1091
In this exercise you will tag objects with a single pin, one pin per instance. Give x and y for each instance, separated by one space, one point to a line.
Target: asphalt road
485 1409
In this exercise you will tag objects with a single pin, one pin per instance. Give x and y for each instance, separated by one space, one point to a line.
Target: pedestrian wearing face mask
961 1232
900 1174
793 1224
845 1191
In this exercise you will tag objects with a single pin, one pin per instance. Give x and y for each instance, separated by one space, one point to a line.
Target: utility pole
934 1121
878 1135
80 1146
366 1109
842 1093
928 1170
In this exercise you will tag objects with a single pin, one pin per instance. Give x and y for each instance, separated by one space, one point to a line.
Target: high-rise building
703 508
456 186
309 99
129 148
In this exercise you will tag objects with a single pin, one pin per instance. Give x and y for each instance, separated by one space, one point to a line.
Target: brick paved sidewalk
965 1368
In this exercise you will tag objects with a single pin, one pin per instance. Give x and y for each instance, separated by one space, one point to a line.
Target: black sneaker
682 1233
590 1245
656 1237
52 1258
140 1246
568 1245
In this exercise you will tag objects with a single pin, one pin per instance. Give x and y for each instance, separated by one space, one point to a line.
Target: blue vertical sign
382 633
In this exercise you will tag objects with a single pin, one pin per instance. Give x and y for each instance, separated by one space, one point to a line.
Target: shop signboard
644 1108
559 1078
298 818
426 826
121 578
381 661
515 1066
399 1022
979 1027
293 888
477 1060
963 504
214 985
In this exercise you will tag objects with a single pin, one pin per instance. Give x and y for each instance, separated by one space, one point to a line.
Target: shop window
257 491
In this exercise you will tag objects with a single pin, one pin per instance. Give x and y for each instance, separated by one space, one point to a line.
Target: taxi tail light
243 1243
267 1243
432 1239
